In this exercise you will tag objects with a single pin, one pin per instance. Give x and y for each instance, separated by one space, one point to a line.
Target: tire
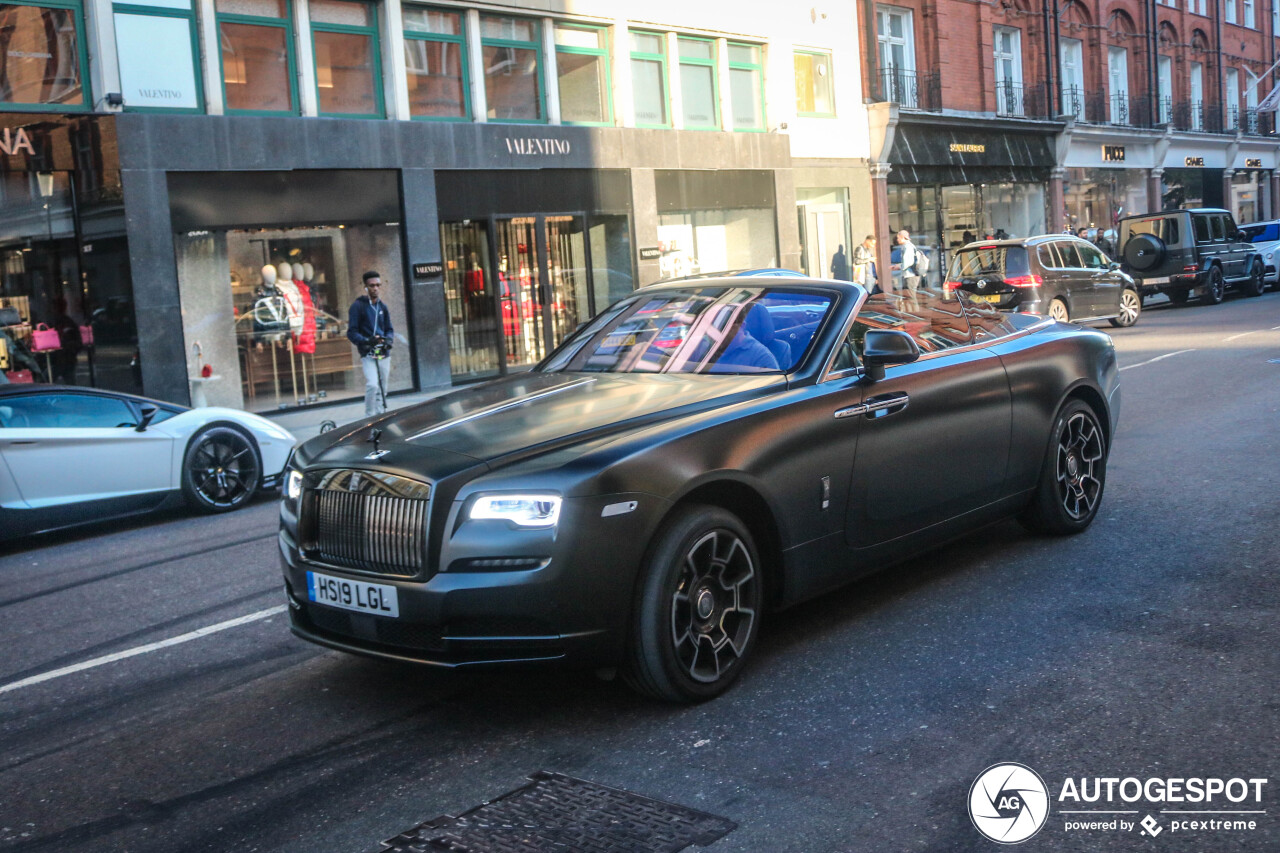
1144 252
1214 289
221 469
1130 309
1058 311
1179 296
698 609
1255 284
1073 475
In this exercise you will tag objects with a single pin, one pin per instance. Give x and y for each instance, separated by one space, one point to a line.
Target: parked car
1265 236
1057 275
631 503
71 455
1185 253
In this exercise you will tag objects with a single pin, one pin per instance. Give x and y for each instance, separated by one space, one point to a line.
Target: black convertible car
697 455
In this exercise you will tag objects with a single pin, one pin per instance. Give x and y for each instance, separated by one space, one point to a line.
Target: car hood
536 411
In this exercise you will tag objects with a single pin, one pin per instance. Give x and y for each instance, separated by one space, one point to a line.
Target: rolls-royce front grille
363 521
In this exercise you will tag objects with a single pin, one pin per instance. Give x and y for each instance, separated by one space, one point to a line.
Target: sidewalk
304 422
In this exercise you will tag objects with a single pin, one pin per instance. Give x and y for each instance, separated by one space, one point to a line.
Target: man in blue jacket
369 328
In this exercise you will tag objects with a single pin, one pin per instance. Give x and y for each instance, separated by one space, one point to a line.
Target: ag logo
982 284
1008 803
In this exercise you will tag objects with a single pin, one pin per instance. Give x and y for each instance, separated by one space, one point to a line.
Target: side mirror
1113 266
149 411
881 347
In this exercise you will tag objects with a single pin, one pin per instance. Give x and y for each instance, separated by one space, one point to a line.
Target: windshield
1002 261
1267 232
699 330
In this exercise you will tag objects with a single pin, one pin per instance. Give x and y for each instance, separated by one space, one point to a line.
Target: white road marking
1157 358
142 650
1241 335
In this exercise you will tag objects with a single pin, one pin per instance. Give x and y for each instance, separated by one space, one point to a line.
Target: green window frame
691 62
167 11
641 57
82 49
756 68
534 45
459 41
601 54
806 89
291 57
370 31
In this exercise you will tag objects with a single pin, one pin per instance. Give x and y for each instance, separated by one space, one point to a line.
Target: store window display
280 327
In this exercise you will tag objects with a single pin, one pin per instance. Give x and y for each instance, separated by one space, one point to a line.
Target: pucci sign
14 140
534 146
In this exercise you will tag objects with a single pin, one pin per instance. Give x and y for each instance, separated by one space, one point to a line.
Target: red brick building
1021 117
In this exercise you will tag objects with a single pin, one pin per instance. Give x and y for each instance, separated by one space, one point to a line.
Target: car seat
760 324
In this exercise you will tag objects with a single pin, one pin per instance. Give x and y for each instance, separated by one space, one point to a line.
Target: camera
381 348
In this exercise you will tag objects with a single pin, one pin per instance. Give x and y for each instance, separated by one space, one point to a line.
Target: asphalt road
1146 647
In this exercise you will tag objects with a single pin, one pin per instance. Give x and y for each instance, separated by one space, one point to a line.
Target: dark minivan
1057 275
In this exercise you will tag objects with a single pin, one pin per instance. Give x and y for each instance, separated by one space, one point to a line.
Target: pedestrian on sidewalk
369 328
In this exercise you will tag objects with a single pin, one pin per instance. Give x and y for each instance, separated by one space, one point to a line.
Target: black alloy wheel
1214 289
1074 473
698 612
1130 309
221 470
1255 285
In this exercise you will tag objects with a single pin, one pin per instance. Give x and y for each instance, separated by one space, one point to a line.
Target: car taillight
1190 268
1024 281
951 285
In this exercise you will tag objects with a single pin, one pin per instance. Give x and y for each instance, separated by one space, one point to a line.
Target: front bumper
575 605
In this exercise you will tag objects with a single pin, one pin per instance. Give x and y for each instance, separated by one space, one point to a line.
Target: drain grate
557 812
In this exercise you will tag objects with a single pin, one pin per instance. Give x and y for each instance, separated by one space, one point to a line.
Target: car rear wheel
698 611
1073 475
1058 311
1214 289
221 470
1255 285
1130 308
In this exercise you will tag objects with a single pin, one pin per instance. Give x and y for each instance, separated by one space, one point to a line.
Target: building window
348 62
155 47
746 86
582 69
512 61
1229 7
1164 79
895 36
43 64
649 79
698 84
1118 85
1250 20
1008 56
813 84
1197 96
1201 7
257 56
1071 55
435 56
1231 99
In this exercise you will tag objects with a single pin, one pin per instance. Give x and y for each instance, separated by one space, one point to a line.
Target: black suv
1184 252
1064 277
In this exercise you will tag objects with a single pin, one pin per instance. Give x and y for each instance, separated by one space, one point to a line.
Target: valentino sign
12 141
532 146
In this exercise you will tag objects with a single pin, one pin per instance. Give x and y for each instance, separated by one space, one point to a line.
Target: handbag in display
44 339
86 336
20 377
270 316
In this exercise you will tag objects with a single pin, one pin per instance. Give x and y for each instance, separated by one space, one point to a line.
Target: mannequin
271 292
293 299
305 345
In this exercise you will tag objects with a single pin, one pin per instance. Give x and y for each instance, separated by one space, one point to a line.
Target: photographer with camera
369 328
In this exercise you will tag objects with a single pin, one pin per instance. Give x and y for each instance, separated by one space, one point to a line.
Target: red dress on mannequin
307 337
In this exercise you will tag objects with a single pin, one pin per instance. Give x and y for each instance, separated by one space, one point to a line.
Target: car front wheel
1130 308
221 470
1074 472
698 611
1214 288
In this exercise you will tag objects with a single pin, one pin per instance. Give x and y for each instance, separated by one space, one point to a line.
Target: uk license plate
361 596
987 297
1164 279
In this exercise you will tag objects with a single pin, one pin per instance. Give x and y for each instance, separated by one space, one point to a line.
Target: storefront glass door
520 277
567 274
471 297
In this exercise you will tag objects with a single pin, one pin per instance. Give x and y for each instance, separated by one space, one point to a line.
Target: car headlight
293 485
521 510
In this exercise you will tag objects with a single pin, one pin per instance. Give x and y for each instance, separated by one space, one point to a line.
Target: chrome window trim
863 296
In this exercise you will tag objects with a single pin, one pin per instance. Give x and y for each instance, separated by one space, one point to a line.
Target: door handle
22 443
851 412
888 404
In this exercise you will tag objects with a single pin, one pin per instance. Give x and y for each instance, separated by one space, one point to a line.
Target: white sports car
71 455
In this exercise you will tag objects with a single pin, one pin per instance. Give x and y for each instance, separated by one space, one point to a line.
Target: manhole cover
556 812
